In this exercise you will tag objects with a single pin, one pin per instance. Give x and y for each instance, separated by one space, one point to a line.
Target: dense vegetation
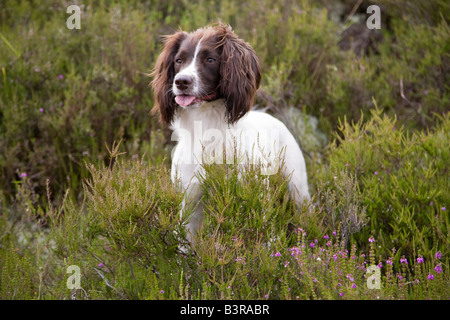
84 174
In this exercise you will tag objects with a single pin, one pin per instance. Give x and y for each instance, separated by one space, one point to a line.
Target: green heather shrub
130 232
402 179
65 93
407 76
129 242
24 257
247 216
130 221
18 278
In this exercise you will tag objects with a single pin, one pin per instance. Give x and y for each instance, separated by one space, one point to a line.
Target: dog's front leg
192 198
184 175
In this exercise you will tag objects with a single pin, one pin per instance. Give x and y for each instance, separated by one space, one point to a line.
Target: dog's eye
179 61
210 60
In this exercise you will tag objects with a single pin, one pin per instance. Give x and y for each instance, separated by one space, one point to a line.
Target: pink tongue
184 100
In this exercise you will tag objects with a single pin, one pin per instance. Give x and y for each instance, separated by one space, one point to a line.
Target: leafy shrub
126 240
402 179
63 98
406 77
131 219
18 279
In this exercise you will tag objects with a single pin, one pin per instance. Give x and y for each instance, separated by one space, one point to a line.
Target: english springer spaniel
204 85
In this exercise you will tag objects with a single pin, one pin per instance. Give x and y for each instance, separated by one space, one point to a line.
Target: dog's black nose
183 82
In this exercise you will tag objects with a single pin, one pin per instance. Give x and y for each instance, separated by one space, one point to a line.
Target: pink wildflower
438 268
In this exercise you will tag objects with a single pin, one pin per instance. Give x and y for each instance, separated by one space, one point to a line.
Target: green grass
70 194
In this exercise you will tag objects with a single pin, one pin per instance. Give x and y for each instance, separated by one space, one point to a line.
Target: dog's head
204 65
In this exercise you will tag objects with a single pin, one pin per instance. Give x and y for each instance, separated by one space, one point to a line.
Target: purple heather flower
286 264
420 259
162 291
346 164
335 257
443 208
425 92
334 233
404 261
341 294
354 286
314 280
371 239
312 244
266 296
326 237
100 265
242 260
380 265
389 261
438 255
60 76
41 109
375 173
295 251
438 268
430 277
23 175
278 254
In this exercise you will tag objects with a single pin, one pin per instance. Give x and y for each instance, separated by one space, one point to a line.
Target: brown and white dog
205 84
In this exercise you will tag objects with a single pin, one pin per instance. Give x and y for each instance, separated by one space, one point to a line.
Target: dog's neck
209 115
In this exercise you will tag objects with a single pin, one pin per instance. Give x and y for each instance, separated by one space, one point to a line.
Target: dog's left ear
240 74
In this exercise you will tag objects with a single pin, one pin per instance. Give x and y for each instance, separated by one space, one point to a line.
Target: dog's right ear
240 74
163 75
